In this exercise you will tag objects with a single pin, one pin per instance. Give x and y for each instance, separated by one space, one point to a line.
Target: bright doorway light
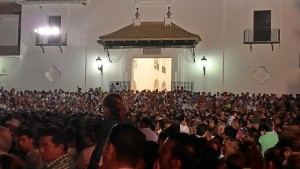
151 73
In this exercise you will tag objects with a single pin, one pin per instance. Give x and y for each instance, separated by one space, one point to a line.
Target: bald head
5 139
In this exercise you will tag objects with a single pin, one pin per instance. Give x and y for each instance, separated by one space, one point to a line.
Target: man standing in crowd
145 127
270 138
231 118
114 112
26 143
53 149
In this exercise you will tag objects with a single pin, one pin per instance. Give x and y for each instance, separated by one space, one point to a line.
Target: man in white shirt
184 127
145 127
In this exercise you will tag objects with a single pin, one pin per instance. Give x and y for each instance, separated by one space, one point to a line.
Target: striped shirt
63 162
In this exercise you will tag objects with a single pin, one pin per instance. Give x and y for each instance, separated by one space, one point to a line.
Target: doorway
151 74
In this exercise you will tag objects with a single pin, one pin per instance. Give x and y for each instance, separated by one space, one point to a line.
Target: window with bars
163 69
156 64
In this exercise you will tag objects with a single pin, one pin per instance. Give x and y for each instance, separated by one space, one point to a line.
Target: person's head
230 146
201 129
233 113
113 105
252 134
180 151
13 124
252 154
234 161
293 161
125 146
215 145
220 129
6 139
52 143
89 136
25 139
145 122
269 125
230 132
273 159
70 136
150 154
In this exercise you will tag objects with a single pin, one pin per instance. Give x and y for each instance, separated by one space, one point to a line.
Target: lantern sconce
100 65
203 64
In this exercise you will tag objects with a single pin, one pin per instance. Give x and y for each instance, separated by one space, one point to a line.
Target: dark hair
147 123
187 149
128 141
252 155
230 132
150 154
25 132
163 136
293 161
70 134
235 161
90 133
201 129
253 133
269 125
114 103
273 154
57 134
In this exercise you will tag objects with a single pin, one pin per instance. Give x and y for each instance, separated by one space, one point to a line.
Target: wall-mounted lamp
203 63
99 64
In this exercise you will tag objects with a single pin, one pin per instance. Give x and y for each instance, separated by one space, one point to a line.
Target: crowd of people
148 129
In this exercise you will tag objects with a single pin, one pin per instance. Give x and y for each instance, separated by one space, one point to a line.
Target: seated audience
249 116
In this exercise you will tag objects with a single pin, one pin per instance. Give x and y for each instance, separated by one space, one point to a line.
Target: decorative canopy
149 34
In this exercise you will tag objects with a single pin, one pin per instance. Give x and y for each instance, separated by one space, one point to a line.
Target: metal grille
189 86
119 85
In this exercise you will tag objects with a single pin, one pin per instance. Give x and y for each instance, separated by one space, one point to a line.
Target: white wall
220 24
